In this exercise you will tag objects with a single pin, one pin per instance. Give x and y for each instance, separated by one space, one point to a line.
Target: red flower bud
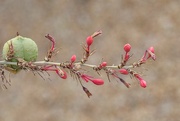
73 58
151 49
103 64
89 40
123 71
90 78
151 53
61 74
143 83
127 47
98 81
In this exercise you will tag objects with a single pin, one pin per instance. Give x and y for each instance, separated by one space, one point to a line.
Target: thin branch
43 63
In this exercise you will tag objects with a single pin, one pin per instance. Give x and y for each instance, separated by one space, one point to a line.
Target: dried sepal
97 33
48 36
108 76
113 73
52 49
149 53
124 82
10 53
4 80
87 91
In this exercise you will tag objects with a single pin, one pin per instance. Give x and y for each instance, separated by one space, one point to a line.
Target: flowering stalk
76 67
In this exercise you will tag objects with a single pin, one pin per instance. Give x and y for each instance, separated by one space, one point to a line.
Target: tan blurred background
142 23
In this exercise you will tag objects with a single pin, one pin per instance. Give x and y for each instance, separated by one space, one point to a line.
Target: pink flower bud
73 58
123 71
143 83
151 49
151 53
61 74
90 78
98 81
103 64
89 40
127 47
64 75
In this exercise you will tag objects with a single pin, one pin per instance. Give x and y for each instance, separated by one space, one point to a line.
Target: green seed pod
22 47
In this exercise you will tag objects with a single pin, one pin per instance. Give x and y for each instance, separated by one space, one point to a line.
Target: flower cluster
75 67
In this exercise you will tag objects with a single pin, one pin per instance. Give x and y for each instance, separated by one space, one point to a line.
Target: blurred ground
140 23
